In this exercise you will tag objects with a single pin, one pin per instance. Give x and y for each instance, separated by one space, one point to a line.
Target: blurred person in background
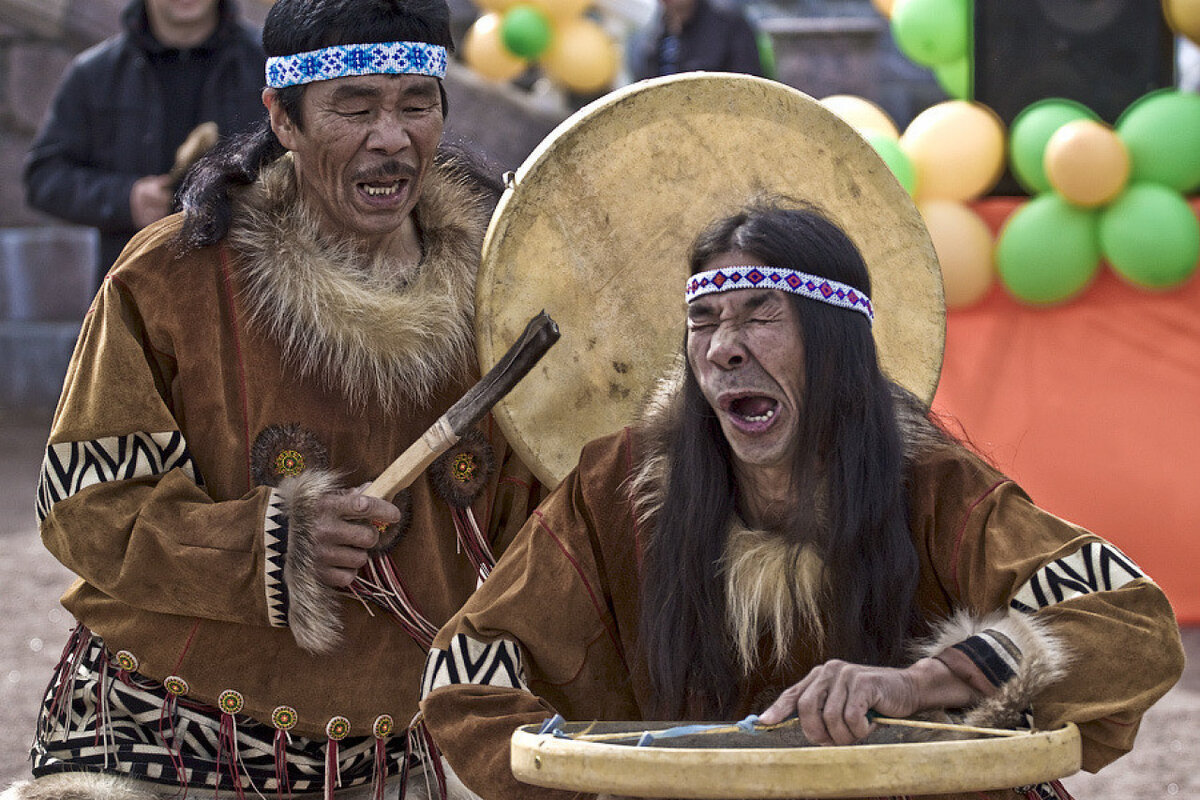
693 35
106 153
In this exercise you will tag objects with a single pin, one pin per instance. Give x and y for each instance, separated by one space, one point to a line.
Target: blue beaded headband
383 58
813 287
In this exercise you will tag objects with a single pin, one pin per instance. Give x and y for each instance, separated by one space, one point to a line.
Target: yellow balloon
1184 17
861 114
1087 163
581 56
499 6
558 9
484 50
957 148
884 7
965 249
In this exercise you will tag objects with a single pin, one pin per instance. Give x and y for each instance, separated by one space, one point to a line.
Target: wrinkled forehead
737 302
355 87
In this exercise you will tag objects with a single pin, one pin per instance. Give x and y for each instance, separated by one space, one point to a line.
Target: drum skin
595 227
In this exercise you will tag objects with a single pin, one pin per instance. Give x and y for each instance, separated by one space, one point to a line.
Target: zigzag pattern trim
71 467
136 730
275 541
469 660
1094 567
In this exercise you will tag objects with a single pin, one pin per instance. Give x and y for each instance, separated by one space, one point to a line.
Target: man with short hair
245 366
773 537
103 156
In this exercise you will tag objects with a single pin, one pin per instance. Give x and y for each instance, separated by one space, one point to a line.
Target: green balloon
525 31
896 159
1048 251
1151 236
1162 132
932 32
955 78
1031 130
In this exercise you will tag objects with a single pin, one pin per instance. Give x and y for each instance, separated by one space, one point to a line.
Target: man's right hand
150 199
343 533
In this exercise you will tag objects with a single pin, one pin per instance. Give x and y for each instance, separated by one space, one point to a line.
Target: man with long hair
245 366
787 532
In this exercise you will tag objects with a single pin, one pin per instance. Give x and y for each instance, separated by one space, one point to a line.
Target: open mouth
752 412
381 189
753 409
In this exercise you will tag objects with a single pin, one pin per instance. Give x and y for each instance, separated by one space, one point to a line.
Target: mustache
386 171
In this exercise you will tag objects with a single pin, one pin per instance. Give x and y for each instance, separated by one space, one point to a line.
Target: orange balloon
957 148
581 56
499 6
1184 17
884 7
484 50
862 115
1087 163
559 9
965 249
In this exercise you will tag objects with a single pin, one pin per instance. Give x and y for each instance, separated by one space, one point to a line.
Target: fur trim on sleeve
82 786
313 612
1008 657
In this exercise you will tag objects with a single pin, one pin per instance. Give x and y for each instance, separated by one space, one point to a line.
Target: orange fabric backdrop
1093 407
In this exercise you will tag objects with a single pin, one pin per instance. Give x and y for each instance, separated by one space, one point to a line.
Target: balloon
1184 17
931 31
1086 162
862 115
896 159
954 77
525 31
883 7
957 148
484 51
964 248
1031 131
499 6
1162 132
582 57
559 9
1048 250
1151 236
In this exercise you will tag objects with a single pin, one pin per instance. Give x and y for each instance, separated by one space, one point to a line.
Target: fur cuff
82 786
1008 657
313 613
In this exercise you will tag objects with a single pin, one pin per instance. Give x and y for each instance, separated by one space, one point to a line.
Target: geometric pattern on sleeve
275 541
1094 567
468 660
70 467
994 654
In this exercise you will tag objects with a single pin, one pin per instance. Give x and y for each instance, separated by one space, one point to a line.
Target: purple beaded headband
813 287
340 61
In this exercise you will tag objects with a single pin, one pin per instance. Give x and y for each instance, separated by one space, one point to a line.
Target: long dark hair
297 26
851 455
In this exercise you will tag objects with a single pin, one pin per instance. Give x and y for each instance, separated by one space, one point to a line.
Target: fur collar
340 314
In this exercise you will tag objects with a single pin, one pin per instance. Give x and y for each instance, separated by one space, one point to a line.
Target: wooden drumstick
539 335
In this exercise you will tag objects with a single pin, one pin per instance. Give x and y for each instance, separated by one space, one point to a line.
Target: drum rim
914 768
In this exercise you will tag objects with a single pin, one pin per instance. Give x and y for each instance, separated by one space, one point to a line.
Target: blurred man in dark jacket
106 149
699 35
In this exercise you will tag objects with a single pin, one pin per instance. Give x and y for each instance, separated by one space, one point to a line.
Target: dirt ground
1164 764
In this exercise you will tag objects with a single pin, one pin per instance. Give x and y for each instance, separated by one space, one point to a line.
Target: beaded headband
813 287
340 61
